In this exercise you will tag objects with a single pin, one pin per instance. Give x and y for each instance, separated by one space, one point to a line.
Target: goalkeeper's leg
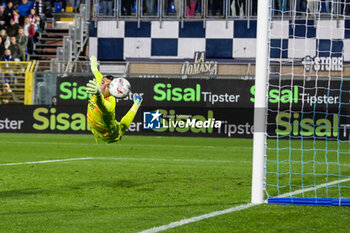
129 117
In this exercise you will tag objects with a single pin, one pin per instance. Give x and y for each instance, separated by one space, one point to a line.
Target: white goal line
233 209
122 158
197 218
188 220
46 161
314 188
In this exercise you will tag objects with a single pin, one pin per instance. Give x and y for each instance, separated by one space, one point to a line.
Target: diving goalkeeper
101 108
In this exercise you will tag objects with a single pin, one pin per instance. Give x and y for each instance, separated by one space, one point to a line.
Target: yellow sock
129 117
134 108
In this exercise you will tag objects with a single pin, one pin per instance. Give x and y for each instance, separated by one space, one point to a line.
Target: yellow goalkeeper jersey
101 115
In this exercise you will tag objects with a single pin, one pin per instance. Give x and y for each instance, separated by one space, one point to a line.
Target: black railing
211 9
173 9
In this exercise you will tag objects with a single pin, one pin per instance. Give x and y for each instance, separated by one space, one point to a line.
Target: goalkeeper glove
92 88
137 100
93 64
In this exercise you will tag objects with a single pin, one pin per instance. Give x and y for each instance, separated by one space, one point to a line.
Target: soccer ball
119 87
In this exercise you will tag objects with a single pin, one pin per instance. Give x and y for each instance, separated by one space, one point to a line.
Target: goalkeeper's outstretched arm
94 69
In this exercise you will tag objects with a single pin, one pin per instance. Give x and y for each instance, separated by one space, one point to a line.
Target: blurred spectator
301 5
9 13
15 49
2 17
255 7
280 6
7 56
313 7
150 7
53 101
75 5
12 30
26 26
2 47
15 3
24 8
239 8
190 7
177 5
329 6
5 38
172 6
58 5
233 8
107 7
16 16
6 95
29 31
9 8
34 19
63 4
43 11
126 7
346 7
216 7
7 74
22 41
40 7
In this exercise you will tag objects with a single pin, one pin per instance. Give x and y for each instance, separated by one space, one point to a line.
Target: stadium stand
29 31
57 32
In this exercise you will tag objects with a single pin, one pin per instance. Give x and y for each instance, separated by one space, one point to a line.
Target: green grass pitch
140 183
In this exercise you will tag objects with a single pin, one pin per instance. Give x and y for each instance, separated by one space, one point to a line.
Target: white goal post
260 104
301 142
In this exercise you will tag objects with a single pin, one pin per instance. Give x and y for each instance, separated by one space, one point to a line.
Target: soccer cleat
138 100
